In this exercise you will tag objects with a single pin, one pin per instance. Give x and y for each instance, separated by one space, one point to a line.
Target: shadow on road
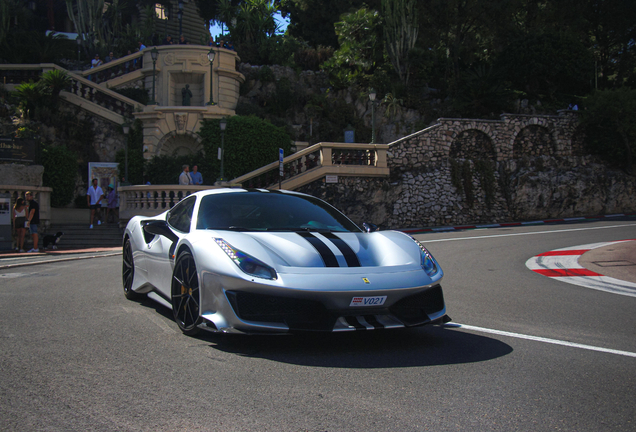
421 346
424 346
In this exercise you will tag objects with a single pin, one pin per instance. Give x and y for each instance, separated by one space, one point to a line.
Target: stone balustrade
151 200
40 194
115 68
320 160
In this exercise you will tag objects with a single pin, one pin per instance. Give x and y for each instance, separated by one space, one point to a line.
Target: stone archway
533 140
472 144
174 144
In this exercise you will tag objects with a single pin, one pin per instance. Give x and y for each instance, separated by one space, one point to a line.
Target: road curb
71 258
515 224
563 265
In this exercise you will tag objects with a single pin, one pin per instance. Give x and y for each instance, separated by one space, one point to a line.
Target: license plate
367 301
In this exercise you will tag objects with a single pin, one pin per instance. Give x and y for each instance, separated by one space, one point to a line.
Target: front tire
128 272
185 294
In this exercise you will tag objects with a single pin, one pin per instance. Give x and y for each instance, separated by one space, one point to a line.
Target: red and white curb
563 264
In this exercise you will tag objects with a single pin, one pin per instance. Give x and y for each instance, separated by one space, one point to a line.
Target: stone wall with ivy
463 171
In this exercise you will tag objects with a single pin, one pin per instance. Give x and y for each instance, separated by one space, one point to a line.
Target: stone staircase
74 223
78 236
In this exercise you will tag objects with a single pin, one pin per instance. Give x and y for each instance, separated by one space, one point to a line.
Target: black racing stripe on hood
349 255
327 256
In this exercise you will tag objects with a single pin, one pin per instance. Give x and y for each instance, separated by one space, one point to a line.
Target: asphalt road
76 355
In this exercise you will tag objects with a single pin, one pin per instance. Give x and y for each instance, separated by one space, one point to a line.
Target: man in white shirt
184 178
94 197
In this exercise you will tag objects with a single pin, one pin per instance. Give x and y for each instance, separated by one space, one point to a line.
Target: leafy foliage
313 20
544 65
249 144
359 53
166 169
609 126
60 171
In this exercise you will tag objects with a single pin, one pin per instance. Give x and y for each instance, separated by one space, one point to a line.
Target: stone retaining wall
463 171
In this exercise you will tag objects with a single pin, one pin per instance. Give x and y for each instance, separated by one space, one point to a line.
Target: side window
180 216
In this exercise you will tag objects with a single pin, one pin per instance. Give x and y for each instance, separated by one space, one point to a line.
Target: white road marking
542 339
529 233
564 269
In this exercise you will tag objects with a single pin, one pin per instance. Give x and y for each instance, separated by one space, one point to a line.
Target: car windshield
270 211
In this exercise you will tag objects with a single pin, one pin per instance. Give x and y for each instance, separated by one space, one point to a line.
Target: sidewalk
11 259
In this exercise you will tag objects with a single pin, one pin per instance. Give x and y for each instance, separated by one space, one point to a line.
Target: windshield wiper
230 228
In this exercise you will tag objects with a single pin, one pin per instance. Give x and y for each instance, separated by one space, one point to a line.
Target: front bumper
252 312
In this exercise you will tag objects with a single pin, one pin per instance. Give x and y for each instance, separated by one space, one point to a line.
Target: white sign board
331 179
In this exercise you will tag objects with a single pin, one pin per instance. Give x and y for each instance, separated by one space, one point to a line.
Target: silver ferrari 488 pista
261 261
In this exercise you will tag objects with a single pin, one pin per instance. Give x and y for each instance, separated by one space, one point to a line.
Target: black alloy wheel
128 272
185 294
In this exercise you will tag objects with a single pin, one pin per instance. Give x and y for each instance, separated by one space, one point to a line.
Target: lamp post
180 15
154 53
211 55
79 45
372 95
221 156
126 128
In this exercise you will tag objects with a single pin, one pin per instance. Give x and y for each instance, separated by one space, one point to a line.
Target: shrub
249 144
166 169
60 172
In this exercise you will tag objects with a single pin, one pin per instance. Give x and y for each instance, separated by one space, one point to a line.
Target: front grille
415 309
297 314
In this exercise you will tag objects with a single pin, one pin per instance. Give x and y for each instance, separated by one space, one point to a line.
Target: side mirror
160 227
369 227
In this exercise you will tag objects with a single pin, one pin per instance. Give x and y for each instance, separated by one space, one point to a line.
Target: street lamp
372 95
180 15
211 55
79 45
126 128
154 53
221 156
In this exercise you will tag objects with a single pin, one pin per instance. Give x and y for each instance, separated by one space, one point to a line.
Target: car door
161 248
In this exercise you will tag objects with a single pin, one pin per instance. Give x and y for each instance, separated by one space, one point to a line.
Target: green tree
612 29
55 81
400 33
31 95
255 25
544 65
313 20
87 17
359 34
609 125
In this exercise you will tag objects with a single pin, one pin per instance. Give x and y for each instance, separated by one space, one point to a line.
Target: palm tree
55 81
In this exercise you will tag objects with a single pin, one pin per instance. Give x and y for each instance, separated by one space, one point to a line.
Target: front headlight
428 262
247 263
